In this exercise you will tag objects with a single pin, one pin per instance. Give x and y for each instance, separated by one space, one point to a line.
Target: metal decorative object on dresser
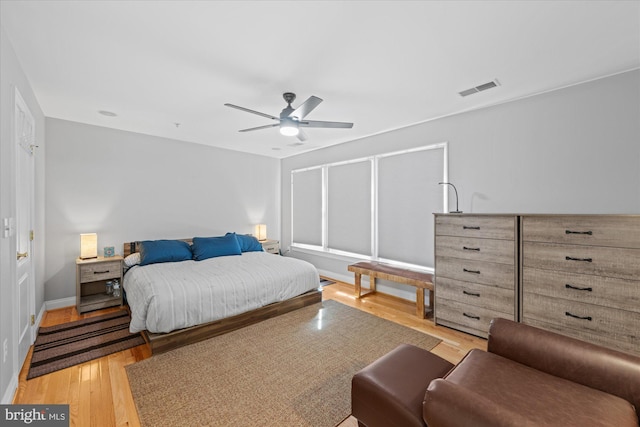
475 270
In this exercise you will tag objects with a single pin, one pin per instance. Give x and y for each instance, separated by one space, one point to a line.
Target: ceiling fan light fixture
289 127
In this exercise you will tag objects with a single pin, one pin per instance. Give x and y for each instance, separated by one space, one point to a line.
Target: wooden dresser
475 270
580 276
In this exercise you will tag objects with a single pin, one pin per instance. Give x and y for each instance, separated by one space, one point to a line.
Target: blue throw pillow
209 247
248 243
156 251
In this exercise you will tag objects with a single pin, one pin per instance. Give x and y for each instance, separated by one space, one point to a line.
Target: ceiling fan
292 119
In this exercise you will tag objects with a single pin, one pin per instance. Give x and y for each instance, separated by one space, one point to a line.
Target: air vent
480 88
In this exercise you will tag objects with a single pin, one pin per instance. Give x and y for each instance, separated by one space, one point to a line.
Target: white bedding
175 295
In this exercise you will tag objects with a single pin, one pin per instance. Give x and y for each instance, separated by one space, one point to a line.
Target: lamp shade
88 245
261 231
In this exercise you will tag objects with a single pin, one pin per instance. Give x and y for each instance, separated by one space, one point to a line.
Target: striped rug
58 347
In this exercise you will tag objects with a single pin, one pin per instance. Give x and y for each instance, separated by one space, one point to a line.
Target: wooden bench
378 270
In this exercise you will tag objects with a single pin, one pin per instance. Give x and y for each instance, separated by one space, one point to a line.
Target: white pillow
133 259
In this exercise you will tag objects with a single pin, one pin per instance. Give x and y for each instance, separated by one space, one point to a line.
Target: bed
180 302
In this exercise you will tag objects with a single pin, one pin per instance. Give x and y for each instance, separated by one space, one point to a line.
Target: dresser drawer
502 251
486 273
100 271
614 231
476 226
596 260
621 325
490 297
614 293
626 345
468 318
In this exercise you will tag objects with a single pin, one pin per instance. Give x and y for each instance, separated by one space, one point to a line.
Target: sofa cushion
588 364
450 405
535 396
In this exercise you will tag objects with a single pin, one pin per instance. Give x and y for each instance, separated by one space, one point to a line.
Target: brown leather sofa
528 377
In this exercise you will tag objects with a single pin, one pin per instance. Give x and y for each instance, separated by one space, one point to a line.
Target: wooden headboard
133 247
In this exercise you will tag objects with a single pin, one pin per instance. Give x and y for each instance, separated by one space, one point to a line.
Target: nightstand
271 246
91 278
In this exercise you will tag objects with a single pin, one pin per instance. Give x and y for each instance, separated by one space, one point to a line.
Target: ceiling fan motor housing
289 97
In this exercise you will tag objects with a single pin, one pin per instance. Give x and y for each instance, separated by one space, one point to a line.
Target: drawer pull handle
468 227
471 294
471 249
566 313
101 272
471 271
578 232
568 258
568 286
471 316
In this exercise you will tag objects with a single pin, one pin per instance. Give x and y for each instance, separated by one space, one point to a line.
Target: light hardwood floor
98 391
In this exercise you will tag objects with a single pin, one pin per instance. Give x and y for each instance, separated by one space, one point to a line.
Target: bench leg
372 283
420 303
358 284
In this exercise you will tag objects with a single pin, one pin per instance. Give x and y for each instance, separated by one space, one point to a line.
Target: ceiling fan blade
306 107
260 127
269 116
321 124
302 137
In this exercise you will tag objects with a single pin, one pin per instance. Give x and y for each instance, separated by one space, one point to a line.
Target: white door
24 137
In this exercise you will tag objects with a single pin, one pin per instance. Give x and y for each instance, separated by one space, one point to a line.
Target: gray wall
11 76
127 186
574 150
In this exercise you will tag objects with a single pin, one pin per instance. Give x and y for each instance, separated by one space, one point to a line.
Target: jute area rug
292 370
68 344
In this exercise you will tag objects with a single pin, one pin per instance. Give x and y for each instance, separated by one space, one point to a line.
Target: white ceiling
380 64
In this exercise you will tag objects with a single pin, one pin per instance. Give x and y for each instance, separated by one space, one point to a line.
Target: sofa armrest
597 367
449 405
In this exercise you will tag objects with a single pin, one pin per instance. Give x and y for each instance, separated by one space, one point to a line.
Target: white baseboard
7 397
43 310
59 303
341 277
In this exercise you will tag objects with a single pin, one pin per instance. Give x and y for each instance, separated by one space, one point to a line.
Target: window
408 195
378 208
308 210
350 207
